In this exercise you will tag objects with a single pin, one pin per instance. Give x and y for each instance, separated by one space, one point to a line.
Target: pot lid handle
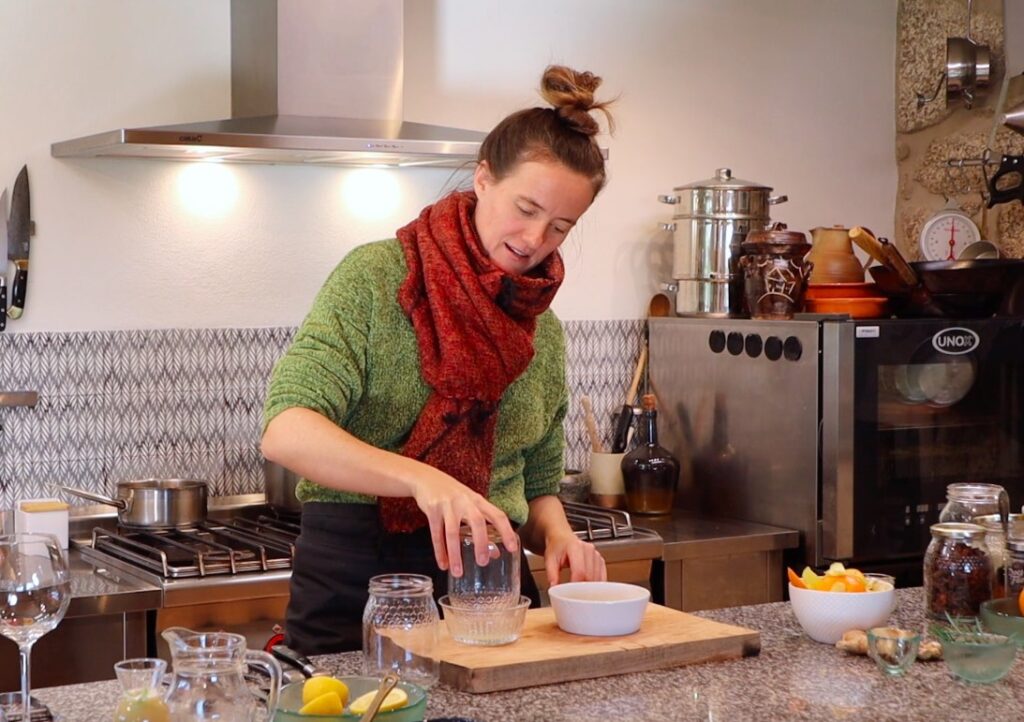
723 174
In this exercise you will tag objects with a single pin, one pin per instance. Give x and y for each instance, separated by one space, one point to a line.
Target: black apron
339 548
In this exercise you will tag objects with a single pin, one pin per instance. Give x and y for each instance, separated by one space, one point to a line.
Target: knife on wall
19 230
3 254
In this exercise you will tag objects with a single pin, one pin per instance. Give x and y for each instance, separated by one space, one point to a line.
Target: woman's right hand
448 504
314 447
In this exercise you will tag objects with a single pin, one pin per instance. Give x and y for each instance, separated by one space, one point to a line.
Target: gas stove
243 551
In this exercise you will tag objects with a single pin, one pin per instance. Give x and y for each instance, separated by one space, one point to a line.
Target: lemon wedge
327 703
318 686
396 698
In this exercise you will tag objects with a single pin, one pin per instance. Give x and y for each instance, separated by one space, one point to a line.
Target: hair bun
571 93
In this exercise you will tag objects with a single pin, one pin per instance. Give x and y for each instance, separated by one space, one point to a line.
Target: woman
426 388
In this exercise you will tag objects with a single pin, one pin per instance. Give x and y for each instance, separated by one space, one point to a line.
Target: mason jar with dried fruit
958 571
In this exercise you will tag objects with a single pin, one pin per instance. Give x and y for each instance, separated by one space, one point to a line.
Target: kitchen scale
947 233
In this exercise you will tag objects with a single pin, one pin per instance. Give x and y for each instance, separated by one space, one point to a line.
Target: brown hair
564 133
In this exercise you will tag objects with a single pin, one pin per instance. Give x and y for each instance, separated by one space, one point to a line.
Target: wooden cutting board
544 654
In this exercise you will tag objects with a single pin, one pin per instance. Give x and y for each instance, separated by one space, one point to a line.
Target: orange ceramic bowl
841 290
852 307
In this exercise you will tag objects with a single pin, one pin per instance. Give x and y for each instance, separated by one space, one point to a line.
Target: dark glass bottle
649 472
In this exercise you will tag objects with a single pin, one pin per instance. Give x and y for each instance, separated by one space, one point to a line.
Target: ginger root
929 650
854 641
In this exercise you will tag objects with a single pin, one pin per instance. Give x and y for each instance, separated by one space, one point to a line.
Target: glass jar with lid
995 539
957 571
966 501
401 624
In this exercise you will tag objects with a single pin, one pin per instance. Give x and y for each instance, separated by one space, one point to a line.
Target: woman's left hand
585 563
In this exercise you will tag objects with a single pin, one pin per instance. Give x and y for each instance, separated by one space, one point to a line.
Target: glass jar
966 501
494 584
400 628
1014 567
995 540
957 571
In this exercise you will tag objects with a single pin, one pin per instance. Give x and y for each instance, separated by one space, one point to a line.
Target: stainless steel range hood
311 81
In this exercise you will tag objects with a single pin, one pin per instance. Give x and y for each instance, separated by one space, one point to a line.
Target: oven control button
753 344
717 341
773 348
792 349
735 343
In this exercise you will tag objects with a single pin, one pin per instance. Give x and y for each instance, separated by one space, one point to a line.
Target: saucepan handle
1009 164
98 498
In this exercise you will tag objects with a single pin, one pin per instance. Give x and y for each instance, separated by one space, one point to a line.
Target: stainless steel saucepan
279 484
155 503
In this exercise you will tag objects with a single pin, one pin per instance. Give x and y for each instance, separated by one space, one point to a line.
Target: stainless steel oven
848 431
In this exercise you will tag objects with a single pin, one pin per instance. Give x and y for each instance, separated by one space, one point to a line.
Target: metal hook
922 99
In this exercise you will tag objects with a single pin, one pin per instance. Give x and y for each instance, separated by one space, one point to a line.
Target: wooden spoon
660 305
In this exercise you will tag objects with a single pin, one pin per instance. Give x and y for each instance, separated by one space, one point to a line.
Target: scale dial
946 234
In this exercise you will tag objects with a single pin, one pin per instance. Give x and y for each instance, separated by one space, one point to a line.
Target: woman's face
524 217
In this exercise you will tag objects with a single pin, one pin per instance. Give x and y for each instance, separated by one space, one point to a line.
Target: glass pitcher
209 677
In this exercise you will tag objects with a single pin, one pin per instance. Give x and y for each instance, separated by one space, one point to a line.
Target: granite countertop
792 678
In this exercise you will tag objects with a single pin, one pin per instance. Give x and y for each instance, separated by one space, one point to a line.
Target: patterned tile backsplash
117 405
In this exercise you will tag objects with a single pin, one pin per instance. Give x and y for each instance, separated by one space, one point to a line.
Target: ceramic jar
775 272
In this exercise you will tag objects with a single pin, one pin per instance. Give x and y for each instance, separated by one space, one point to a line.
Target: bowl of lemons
327 698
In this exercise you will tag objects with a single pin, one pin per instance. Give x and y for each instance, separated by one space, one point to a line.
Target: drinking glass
893 650
35 590
142 698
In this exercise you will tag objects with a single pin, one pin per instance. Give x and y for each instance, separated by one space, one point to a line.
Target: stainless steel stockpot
710 221
155 503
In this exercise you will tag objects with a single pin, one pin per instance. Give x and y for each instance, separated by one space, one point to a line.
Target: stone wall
926 137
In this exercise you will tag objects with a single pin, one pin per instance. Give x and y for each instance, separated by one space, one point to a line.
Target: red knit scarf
474 324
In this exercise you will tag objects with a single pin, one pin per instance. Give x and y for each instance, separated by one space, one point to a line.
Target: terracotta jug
833 257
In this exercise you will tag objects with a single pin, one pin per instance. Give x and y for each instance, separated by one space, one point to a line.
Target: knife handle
18 286
3 303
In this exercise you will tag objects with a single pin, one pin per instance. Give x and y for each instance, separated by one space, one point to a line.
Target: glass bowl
484 626
1002 616
980 657
893 650
290 702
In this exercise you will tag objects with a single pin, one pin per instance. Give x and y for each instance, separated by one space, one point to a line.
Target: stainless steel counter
715 563
102 592
690 536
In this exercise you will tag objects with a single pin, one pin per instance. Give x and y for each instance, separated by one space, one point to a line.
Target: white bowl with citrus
325 698
841 599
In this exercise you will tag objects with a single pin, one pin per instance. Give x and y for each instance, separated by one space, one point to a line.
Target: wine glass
35 590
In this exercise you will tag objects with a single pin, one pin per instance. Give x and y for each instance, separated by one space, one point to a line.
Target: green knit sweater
356 361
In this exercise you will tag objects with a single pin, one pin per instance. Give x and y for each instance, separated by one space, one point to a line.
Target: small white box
42 516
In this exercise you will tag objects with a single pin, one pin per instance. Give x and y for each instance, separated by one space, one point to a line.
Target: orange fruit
1020 602
796 581
841 583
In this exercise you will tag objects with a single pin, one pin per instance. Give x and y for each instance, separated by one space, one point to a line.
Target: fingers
437 538
452 543
553 567
584 561
496 518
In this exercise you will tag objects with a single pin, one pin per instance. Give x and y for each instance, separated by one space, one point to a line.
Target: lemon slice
327 703
396 698
318 686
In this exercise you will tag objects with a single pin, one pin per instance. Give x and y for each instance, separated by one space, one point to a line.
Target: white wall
796 94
